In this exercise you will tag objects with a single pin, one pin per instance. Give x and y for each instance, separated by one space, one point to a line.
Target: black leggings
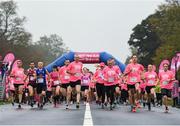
110 93
100 88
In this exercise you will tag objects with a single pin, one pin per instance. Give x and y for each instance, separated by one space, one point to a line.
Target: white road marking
87 116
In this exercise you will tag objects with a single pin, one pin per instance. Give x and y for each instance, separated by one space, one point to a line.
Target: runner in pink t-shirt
151 80
117 88
134 72
166 79
75 70
100 88
124 91
55 82
66 89
110 81
85 83
19 78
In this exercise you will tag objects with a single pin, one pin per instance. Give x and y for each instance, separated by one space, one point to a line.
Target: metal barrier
2 87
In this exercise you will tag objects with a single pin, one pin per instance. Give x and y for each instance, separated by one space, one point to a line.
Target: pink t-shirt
117 69
64 76
133 72
98 76
165 79
55 78
150 78
110 76
76 69
124 84
86 79
19 75
142 86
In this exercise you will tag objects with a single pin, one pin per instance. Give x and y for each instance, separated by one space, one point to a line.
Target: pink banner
9 58
178 61
162 63
89 57
172 67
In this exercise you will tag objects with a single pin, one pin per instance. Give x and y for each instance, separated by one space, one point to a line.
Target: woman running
55 82
99 80
85 82
151 80
19 80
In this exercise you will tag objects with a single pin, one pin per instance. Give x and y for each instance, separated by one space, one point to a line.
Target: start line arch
85 57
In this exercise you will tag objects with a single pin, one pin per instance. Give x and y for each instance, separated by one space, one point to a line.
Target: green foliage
158 36
14 38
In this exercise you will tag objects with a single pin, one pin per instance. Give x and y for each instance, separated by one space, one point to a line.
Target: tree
158 36
11 25
54 44
143 42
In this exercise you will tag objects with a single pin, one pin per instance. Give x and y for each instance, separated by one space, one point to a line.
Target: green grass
4 102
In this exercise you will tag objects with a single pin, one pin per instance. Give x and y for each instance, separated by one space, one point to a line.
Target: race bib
133 79
77 74
111 79
165 82
66 77
32 78
151 82
40 80
56 82
85 81
18 79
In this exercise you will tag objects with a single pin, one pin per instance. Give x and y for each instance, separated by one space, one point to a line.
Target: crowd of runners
137 86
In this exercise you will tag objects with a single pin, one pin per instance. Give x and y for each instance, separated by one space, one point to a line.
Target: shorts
93 89
148 89
124 94
166 92
54 86
41 87
16 86
131 86
33 85
142 92
83 88
73 84
65 85
48 94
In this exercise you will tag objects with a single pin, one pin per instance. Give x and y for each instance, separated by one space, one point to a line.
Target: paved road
59 116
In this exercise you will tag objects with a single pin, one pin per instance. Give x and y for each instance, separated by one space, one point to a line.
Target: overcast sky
90 26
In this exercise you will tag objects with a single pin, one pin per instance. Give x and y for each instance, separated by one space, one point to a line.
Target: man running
41 74
75 70
133 72
117 87
166 78
31 76
66 89
110 81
